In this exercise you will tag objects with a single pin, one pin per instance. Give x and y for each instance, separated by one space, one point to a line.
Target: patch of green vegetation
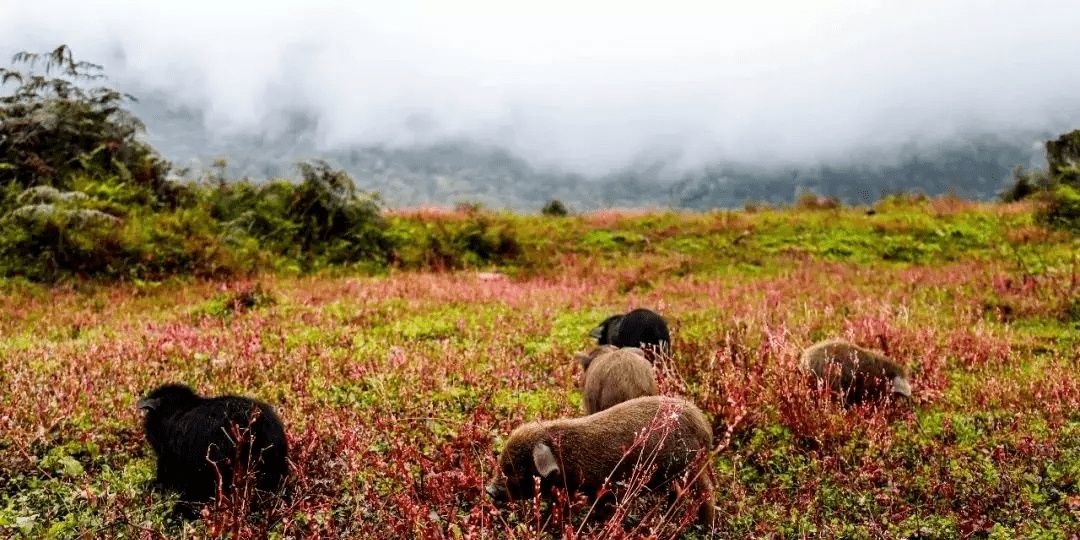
691 245
53 503
382 391
456 399
569 332
534 404
605 240
929 527
424 327
229 303
476 240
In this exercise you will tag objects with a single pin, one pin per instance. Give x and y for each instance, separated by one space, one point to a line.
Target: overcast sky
590 85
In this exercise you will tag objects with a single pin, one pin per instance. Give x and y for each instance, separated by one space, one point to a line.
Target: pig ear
583 360
901 386
597 332
148 404
609 326
544 460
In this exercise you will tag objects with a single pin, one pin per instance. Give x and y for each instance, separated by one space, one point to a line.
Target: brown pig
855 373
614 375
658 437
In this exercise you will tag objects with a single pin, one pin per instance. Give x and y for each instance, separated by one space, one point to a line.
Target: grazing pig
638 328
197 438
614 375
854 373
663 438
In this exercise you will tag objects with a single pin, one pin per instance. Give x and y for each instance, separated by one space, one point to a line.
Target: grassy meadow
399 385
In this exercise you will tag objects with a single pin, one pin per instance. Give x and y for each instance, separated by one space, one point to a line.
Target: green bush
323 217
469 207
54 125
555 208
238 300
1061 208
111 228
50 234
477 240
1063 158
1026 183
808 200
336 220
41 240
186 241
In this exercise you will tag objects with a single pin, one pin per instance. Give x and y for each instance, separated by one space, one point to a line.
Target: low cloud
593 86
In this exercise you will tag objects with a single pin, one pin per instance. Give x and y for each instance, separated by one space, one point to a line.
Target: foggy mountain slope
435 174
444 173
976 167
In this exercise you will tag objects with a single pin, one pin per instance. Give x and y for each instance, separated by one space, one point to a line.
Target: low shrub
555 208
1025 183
1061 208
808 200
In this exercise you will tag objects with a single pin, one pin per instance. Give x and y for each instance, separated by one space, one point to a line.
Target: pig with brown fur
855 373
665 437
613 375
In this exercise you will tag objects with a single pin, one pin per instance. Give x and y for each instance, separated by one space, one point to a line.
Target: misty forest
258 333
